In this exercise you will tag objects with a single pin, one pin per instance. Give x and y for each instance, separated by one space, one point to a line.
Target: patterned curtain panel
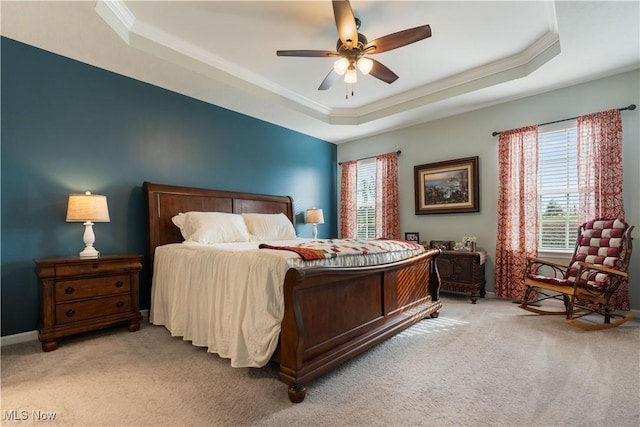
600 166
387 215
600 176
517 208
348 200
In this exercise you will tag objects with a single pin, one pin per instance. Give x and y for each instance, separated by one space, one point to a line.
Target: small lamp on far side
314 216
88 208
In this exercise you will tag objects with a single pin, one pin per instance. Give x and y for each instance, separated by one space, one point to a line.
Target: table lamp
314 216
88 208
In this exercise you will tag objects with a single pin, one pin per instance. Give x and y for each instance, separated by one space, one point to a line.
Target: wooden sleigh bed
331 314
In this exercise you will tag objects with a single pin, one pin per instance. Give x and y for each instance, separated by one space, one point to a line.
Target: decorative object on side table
447 187
469 243
443 245
314 216
85 294
463 271
412 236
88 208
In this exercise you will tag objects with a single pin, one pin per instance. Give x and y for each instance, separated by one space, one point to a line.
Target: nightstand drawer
67 290
83 310
98 266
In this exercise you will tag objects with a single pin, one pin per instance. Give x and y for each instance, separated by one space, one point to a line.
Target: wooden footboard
334 314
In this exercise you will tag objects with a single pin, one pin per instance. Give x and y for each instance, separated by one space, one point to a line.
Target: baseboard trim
19 338
33 335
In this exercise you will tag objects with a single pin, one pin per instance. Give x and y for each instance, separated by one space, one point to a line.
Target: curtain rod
630 108
371 157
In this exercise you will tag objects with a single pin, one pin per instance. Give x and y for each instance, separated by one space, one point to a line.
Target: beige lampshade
314 216
87 207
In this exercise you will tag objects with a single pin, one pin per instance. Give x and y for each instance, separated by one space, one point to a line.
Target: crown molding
117 15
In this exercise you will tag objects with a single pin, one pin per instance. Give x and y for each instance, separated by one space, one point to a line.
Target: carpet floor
484 364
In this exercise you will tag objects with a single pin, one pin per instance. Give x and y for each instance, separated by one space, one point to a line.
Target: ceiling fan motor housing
362 40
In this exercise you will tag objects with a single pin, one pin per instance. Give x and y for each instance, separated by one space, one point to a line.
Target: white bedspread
228 297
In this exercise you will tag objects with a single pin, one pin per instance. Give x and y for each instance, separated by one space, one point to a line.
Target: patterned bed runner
332 248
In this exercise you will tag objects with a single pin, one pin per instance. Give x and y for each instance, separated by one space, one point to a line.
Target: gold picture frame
447 187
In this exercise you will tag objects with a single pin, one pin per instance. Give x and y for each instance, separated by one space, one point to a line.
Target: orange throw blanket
306 254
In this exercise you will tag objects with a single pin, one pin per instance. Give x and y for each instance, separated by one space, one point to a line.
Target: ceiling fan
353 48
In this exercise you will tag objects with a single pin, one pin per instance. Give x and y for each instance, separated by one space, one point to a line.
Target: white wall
469 135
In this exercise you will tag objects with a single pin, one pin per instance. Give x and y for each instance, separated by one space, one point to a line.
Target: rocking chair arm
602 269
535 264
534 260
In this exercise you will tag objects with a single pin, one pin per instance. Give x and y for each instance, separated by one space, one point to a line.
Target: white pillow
269 226
211 227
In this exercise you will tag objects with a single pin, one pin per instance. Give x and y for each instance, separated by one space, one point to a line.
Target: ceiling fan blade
345 23
399 39
380 71
307 53
329 80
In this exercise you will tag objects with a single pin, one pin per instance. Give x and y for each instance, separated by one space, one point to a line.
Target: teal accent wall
68 127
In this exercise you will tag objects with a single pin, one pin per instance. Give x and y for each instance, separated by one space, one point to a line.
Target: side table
84 294
463 272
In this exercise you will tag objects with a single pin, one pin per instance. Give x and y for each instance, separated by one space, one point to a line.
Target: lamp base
314 231
89 252
89 237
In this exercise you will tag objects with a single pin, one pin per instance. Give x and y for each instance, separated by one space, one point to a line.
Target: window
366 199
557 187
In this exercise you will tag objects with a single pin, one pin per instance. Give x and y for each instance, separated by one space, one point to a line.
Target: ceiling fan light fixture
341 65
365 65
351 76
353 48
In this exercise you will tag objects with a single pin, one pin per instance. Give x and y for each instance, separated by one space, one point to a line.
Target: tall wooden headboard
166 201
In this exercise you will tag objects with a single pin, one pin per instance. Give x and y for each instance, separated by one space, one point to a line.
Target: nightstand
462 272
85 294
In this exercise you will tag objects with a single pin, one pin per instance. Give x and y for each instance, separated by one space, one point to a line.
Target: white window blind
557 187
366 202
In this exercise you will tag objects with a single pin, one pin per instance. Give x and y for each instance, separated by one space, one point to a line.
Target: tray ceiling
223 52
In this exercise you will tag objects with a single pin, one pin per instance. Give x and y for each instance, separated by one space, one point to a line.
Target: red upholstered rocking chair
598 267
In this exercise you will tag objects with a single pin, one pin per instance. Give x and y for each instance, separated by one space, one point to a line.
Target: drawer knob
119 284
70 313
69 290
119 304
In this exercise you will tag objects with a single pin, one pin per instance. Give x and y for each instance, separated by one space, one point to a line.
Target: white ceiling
223 52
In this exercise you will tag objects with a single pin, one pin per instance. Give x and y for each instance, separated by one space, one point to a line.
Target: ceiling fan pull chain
346 90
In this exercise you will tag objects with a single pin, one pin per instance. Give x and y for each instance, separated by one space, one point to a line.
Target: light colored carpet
488 364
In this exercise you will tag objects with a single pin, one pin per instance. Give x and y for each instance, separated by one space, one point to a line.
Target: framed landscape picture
447 187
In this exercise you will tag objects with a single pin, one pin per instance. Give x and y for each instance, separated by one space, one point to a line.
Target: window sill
555 254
